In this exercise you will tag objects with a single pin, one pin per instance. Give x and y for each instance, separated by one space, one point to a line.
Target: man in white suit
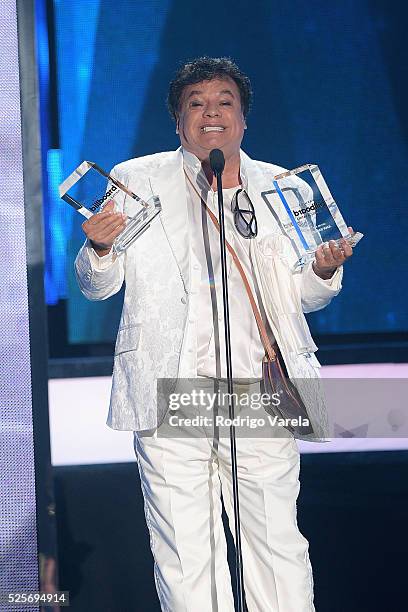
172 327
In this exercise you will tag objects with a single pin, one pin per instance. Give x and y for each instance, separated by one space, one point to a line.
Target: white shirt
247 349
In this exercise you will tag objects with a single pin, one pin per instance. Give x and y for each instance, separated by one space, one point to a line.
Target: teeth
212 128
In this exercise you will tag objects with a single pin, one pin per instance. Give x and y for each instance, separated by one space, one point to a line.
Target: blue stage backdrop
330 88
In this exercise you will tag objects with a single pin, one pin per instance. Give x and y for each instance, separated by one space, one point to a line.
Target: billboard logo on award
304 211
99 202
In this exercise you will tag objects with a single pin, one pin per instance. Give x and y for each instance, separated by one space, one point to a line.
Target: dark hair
207 69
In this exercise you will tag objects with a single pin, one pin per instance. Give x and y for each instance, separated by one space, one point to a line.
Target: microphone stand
217 163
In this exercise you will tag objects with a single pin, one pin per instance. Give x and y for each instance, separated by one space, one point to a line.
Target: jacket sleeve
98 280
317 293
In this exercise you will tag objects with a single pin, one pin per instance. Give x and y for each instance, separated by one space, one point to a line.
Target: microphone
217 161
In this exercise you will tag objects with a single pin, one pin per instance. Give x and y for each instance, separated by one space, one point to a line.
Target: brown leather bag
276 381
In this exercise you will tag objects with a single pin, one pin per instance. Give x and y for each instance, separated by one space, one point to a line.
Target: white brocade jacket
156 336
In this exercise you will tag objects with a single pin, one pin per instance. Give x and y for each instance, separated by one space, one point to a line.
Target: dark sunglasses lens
242 222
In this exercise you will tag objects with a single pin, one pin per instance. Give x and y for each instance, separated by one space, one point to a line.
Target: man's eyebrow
195 92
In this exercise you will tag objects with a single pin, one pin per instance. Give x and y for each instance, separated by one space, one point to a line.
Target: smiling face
210 117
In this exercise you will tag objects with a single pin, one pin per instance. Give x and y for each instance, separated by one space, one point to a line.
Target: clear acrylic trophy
86 190
313 216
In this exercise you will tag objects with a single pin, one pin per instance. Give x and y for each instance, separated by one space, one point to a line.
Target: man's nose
212 111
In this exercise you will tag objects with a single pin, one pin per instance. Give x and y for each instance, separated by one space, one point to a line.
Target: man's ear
177 125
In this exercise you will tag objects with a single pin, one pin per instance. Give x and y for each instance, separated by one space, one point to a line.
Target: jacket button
183 300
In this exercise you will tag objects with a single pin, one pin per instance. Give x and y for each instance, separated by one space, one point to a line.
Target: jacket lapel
263 195
168 182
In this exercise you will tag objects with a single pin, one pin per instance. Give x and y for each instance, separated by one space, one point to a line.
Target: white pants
182 480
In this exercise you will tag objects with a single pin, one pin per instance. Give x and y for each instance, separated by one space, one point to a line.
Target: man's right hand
102 229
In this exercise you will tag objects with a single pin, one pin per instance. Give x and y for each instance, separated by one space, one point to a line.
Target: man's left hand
329 257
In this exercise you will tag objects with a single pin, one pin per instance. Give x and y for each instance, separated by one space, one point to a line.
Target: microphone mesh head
217 161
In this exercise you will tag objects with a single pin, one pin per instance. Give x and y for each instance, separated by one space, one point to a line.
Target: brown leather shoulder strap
270 351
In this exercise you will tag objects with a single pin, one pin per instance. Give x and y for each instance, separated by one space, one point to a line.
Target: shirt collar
193 165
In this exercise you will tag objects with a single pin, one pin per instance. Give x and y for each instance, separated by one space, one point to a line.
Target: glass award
312 216
87 190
